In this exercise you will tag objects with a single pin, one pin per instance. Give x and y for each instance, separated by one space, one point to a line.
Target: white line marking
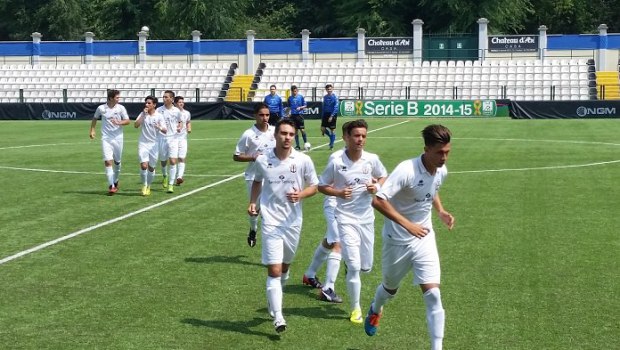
98 173
111 221
539 168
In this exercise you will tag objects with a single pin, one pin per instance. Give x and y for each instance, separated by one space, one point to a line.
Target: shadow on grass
243 327
106 194
322 310
222 259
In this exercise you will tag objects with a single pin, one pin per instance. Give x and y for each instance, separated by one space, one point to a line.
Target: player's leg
173 154
427 274
117 154
152 163
332 240
252 219
350 241
272 254
320 255
181 163
108 161
291 242
163 159
332 132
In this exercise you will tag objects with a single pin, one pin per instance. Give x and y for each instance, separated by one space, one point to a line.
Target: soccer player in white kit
406 200
283 178
353 178
168 148
252 143
181 137
113 117
328 249
152 124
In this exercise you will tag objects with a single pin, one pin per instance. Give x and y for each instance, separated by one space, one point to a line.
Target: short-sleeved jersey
296 101
341 172
254 141
280 177
274 103
185 117
330 201
330 104
172 116
107 114
149 130
411 190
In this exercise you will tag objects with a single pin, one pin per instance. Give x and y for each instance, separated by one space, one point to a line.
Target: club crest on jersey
366 169
344 168
293 168
281 177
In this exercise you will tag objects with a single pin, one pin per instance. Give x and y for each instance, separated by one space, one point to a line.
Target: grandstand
520 79
88 83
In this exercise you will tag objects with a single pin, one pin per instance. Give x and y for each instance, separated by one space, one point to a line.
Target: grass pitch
531 263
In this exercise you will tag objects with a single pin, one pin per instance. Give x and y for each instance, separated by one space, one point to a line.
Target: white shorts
148 152
182 147
419 256
164 148
112 149
357 241
331 235
173 147
279 244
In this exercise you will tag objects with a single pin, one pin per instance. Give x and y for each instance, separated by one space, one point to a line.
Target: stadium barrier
564 109
85 111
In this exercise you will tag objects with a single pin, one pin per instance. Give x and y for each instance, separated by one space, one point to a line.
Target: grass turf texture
531 263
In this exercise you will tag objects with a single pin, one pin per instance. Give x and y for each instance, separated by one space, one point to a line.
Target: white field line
97 173
129 215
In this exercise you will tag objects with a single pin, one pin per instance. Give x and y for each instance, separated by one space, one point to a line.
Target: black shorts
327 124
274 118
298 119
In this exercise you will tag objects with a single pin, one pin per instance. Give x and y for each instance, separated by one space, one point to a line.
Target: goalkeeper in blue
330 114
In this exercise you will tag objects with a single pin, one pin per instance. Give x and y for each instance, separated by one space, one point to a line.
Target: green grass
531 263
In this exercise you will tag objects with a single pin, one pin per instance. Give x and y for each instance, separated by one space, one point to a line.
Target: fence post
361 44
483 38
542 42
417 39
36 47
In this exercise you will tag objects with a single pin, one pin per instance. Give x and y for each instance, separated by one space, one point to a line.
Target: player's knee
432 298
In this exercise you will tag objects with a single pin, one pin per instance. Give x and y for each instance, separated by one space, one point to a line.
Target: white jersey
185 117
149 128
411 190
172 116
280 177
330 202
254 141
107 114
341 172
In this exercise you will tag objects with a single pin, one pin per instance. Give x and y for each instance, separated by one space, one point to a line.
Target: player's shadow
322 310
222 259
105 194
243 327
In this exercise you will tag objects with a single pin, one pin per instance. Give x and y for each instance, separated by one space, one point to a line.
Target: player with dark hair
297 105
330 114
276 109
183 130
113 117
152 124
406 200
168 148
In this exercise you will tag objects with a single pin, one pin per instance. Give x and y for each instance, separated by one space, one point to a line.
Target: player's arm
385 207
297 195
93 124
329 190
257 186
188 125
445 216
140 119
335 111
124 118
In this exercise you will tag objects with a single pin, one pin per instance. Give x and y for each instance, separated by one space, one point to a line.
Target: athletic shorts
279 244
148 152
357 242
298 120
112 149
274 118
181 143
164 148
325 123
419 256
331 235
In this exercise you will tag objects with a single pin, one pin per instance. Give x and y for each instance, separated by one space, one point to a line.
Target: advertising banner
565 109
409 108
384 46
513 43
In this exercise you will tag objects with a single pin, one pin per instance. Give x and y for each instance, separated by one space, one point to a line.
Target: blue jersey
330 104
296 101
274 103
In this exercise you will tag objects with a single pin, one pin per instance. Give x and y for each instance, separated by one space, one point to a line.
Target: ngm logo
47 115
585 111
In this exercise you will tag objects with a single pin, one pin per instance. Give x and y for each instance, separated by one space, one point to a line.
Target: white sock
332 268
320 254
143 176
172 174
254 223
150 175
354 287
274 295
381 297
117 171
181 170
435 317
284 278
109 174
